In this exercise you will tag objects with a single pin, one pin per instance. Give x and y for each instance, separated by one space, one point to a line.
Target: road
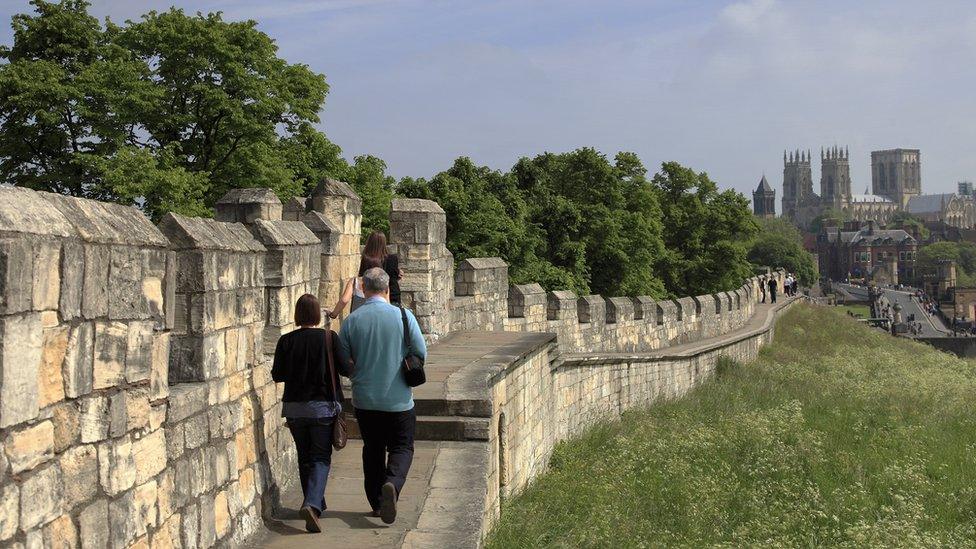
932 326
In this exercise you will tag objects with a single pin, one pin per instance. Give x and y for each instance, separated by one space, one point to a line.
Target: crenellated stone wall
136 403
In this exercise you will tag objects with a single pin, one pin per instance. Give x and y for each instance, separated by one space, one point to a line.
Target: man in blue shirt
372 346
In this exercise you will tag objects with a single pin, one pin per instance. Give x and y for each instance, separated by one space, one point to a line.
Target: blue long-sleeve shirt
372 338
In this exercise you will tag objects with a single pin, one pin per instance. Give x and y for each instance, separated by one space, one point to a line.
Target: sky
720 86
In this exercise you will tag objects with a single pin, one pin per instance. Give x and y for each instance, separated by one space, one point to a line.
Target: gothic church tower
764 200
835 178
797 182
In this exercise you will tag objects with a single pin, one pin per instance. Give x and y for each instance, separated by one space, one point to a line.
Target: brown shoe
311 519
388 505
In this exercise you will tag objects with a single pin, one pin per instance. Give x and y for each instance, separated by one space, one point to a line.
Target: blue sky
722 87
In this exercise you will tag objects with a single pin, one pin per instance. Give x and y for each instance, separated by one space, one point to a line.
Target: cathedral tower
797 181
764 200
896 174
835 177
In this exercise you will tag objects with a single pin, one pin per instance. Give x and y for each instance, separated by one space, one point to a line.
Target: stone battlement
136 403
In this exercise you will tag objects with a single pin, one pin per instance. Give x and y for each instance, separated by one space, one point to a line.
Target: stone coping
201 233
683 351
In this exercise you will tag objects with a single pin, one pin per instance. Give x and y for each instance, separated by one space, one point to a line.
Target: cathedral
895 184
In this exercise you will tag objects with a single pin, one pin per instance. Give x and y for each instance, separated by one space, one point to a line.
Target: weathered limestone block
137 409
50 380
338 202
139 348
94 294
527 301
16 275
688 308
29 447
562 305
61 533
294 208
196 431
93 525
149 453
212 255
47 275
94 418
78 367
20 357
185 400
40 497
591 308
67 425
9 510
79 465
111 343
248 206
619 309
644 308
190 526
116 466
159 367
107 222
132 514
668 312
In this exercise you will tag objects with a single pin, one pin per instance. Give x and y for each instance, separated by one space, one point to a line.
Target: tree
963 253
832 215
780 244
202 104
599 219
368 178
705 232
909 223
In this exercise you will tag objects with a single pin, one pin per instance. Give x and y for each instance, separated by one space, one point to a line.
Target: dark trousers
387 450
313 440
772 295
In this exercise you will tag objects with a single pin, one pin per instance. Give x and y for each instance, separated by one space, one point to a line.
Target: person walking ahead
311 402
372 346
772 290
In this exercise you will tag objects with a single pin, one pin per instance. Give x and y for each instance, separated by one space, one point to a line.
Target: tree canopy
171 111
168 112
963 253
780 244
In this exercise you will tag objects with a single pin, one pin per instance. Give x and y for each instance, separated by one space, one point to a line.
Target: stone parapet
335 216
418 234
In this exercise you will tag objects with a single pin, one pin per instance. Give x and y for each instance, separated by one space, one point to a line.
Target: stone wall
136 405
548 397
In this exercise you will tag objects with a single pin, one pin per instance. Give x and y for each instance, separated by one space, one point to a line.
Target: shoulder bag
413 365
340 434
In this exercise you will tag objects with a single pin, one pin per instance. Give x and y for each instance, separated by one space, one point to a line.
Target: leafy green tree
368 178
963 253
830 214
486 217
780 244
704 232
202 104
909 223
600 219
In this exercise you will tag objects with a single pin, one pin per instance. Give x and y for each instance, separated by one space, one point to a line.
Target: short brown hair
307 311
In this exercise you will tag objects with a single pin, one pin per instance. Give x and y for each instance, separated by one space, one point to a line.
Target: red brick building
865 252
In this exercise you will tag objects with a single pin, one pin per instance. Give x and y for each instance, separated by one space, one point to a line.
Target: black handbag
413 365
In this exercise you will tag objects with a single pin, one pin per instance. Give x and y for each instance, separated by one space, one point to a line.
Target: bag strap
406 331
330 360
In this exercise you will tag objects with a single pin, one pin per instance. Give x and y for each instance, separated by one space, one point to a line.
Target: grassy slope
838 435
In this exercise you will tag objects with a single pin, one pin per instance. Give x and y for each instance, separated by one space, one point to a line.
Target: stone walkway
443 502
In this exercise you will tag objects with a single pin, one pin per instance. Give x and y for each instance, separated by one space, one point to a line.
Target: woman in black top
312 400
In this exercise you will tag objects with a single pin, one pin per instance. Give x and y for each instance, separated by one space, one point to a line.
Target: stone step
458 428
444 407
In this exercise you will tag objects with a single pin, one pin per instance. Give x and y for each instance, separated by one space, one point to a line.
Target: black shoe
311 519
388 510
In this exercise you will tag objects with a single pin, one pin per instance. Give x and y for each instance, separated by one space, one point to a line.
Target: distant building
867 251
764 200
896 186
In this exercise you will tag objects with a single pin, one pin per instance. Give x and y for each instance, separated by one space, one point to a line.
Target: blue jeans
313 440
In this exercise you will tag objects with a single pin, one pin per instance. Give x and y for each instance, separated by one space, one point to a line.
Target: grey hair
376 281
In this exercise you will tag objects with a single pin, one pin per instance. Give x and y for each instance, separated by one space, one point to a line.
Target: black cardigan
300 363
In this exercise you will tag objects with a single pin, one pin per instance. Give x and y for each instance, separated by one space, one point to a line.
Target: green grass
863 310
838 435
